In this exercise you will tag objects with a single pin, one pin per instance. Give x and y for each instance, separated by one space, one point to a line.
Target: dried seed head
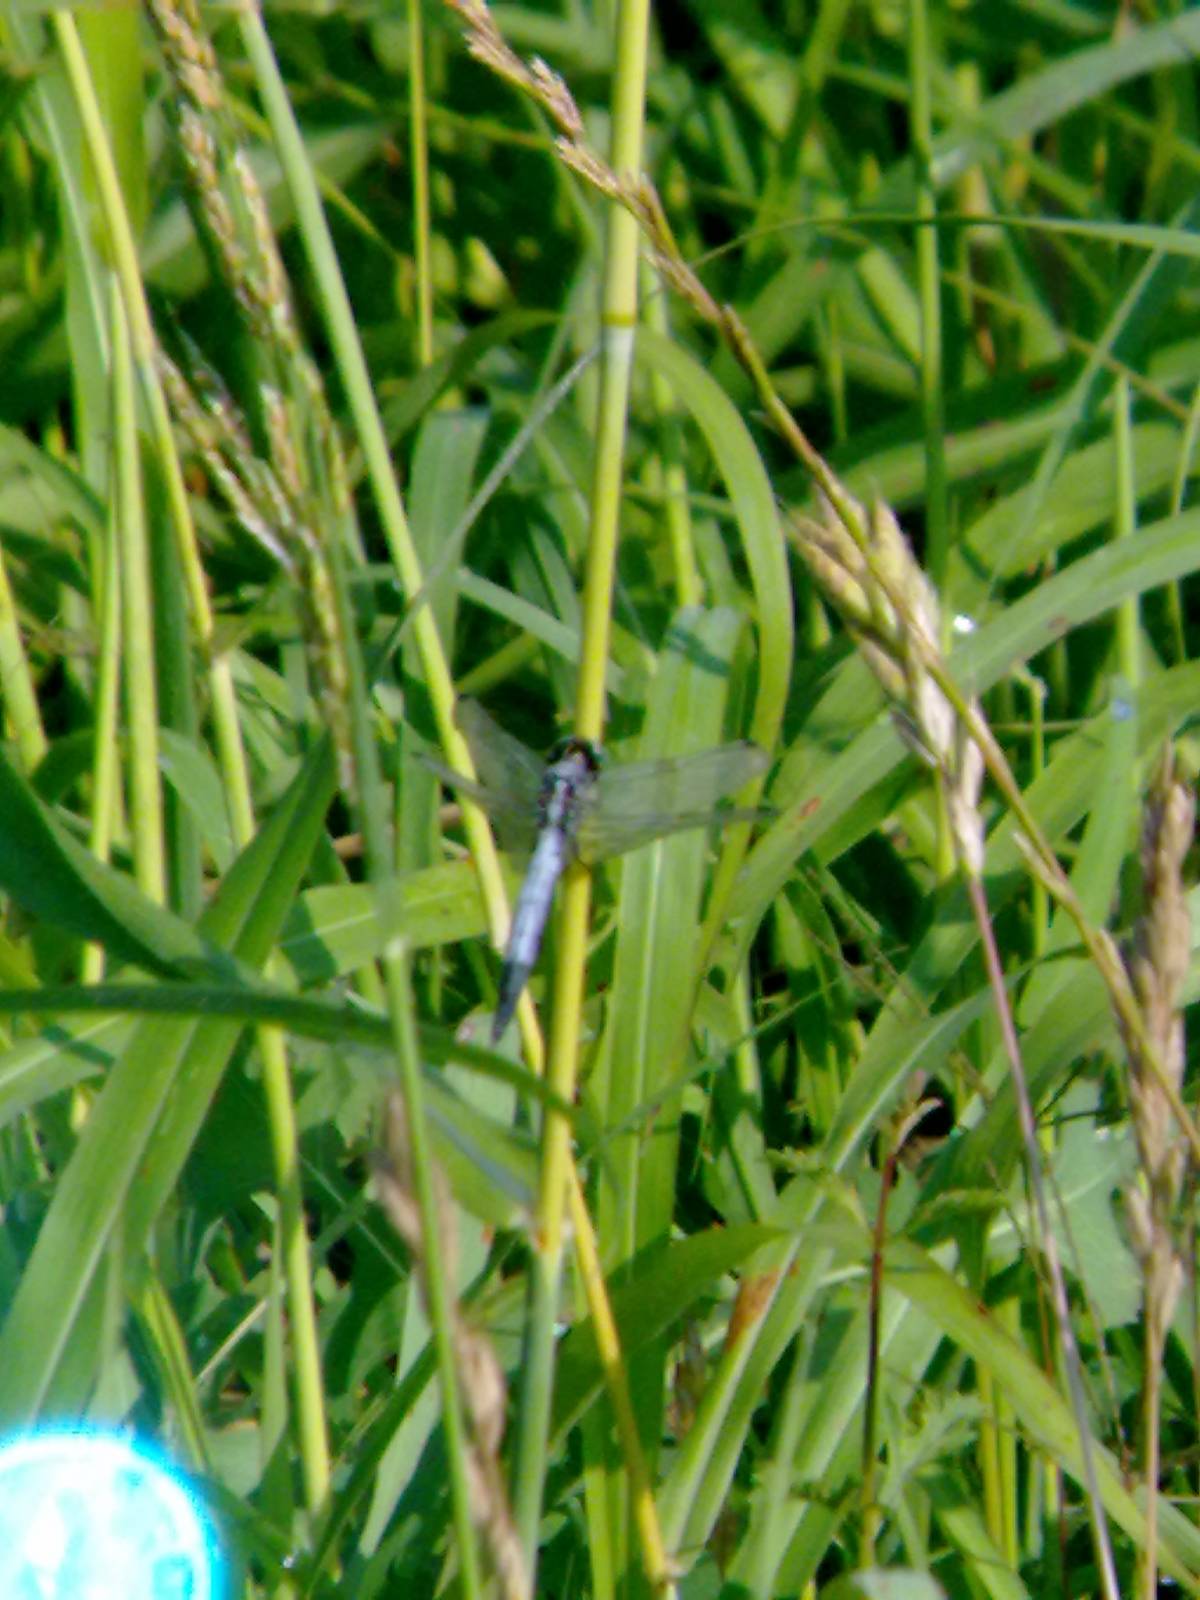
1158 964
590 168
479 1373
865 569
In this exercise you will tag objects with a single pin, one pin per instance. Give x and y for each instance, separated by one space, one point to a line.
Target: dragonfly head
591 754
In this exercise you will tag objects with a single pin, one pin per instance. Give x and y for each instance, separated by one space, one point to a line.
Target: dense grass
839 1219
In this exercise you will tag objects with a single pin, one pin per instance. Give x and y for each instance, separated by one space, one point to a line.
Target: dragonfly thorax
566 785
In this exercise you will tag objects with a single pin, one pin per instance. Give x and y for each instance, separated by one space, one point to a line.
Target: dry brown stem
480 1376
1157 964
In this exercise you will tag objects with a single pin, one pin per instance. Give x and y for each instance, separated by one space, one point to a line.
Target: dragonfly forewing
646 800
510 777
503 763
515 815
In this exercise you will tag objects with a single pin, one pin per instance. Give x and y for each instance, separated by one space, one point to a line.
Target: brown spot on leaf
753 1298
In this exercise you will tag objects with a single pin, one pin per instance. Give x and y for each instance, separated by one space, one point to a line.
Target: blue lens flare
92 1516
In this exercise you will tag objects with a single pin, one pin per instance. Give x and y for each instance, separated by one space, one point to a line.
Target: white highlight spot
88 1516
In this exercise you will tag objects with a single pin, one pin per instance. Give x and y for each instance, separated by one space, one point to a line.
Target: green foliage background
237 598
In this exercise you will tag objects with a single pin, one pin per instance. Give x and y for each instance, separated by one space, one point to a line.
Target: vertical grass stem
619 315
929 290
136 341
418 146
137 621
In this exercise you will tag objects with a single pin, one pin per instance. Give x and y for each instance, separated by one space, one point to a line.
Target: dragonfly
575 805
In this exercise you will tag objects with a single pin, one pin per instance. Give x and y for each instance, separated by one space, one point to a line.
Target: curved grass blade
53 878
144 1121
36 1068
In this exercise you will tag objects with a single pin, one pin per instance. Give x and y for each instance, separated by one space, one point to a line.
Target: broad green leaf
190 771
753 503
1087 1168
959 1514
35 1069
1040 98
888 1584
56 880
330 932
660 1288
1041 1410
145 1118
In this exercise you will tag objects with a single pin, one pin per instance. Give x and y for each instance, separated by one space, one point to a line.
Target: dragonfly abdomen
529 921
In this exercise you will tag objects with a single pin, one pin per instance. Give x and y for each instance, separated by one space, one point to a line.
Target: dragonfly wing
510 777
515 822
503 763
650 799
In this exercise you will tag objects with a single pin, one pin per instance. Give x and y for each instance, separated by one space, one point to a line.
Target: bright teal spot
85 1516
